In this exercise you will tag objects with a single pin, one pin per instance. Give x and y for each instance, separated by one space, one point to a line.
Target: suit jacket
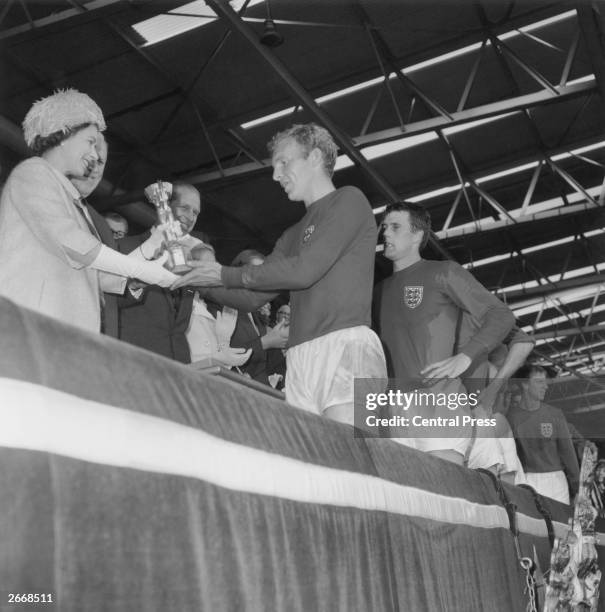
158 321
110 309
245 336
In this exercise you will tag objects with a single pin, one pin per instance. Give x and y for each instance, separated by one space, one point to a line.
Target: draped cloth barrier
130 482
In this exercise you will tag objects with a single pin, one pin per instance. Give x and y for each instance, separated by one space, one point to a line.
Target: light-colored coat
45 246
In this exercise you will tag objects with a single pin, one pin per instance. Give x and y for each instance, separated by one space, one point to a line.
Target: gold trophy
158 194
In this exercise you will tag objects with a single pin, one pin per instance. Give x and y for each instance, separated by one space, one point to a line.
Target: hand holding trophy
158 194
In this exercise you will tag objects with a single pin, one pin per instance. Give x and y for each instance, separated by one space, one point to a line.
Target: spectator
210 330
51 255
417 313
543 439
251 332
118 225
283 314
276 358
264 313
326 260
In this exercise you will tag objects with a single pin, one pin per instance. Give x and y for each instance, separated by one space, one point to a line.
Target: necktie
81 204
177 299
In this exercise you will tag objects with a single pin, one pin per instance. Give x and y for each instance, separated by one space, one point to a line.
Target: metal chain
530 581
527 564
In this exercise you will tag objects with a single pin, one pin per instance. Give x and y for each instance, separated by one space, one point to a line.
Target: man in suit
86 185
117 224
157 319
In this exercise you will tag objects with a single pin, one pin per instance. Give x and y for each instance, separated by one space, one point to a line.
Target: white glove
151 272
151 248
230 357
275 379
148 249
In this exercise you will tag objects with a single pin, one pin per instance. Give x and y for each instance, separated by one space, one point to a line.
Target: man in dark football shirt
418 310
326 261
543 438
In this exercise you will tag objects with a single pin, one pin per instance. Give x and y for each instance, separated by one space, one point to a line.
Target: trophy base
180 269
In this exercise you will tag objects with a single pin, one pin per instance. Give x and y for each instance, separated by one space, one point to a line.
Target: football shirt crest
546 430
412 295
308 232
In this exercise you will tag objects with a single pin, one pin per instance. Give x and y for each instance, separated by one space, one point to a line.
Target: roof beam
460 40
501 223
186 95
592 25
563 295
264 166
177 89
484 111
574 331
226 13
560 363
580 396
89 9
426 125
570 283
583 410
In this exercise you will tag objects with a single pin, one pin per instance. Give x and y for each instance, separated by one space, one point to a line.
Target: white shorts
426 445
320 373
550 484
511 462
485 453
460 437
436 444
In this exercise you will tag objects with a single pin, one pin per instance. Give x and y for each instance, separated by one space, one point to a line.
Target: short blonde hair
309 136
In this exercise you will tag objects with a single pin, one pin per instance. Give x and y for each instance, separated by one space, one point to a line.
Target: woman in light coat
51 259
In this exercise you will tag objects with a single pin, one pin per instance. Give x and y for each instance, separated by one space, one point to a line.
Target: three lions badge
308 233
546 430
412 296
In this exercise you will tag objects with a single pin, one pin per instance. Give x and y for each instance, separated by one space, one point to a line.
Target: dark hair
310 136
420 218
526 371
114 216
246 256
42 144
